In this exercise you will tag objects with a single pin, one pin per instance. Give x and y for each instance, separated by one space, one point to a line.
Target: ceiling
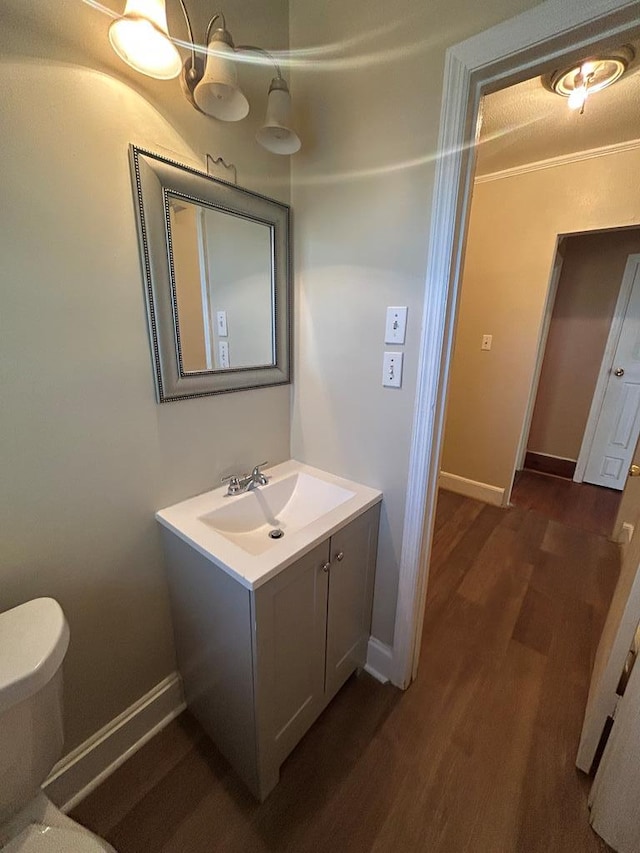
527 123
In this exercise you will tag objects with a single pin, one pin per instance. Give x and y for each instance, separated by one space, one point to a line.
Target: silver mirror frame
155 177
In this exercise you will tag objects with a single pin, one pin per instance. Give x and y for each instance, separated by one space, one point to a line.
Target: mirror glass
216 264
224 287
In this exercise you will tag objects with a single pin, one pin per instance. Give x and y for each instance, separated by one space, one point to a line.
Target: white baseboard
626 533
472 489
83 769
550 455
379 659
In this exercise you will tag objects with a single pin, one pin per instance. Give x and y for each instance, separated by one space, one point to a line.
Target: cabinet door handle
326 567
340 556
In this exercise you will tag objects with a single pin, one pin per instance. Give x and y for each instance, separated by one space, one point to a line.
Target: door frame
556 31
550 301
615 330
205 291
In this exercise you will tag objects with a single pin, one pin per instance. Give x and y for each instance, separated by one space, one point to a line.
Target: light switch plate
487 340
223 354
396 325
392 370
221 322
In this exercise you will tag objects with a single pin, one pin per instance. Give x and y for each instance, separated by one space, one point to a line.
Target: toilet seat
37 838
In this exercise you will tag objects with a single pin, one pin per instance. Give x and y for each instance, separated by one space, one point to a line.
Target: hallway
478 755
580 505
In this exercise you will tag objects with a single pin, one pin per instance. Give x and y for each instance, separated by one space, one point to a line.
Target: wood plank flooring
582 505
476 757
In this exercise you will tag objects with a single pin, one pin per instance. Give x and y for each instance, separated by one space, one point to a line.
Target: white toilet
33 642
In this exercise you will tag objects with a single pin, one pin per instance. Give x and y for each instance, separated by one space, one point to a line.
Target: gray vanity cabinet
291 626
351 577
260 665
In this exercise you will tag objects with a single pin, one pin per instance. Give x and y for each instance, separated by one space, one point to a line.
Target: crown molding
562 160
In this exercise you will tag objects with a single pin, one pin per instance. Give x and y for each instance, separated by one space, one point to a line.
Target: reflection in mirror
224 287
217 272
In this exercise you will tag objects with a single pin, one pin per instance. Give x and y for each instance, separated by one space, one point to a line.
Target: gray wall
369 92
86 454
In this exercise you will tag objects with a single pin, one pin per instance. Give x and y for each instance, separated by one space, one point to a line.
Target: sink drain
276 533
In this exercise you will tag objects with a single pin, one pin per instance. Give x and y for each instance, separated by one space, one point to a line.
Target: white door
614 421
615 642
615 793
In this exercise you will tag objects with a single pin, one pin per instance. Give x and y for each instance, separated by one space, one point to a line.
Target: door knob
619 371
326 567
340 556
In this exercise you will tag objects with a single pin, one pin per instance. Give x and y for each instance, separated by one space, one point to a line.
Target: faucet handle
234 484
258 477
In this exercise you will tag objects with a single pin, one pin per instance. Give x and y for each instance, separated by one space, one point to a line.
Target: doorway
513 51
576 397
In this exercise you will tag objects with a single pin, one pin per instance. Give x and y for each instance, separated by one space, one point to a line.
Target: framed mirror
216 264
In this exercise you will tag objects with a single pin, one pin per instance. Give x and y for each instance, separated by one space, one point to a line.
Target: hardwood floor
478 755
581 505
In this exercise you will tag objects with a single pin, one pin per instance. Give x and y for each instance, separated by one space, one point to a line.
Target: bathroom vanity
268 629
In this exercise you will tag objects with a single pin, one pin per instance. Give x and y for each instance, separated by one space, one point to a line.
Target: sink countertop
185 519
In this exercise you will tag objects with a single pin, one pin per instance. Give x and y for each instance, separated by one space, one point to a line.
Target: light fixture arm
587 79
189 31
219 16
255 49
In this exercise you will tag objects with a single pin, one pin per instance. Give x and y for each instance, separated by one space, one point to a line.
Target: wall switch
396 325
223 354
221 323
487 340
392 370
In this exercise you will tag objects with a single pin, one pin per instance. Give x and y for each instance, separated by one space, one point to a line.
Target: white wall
86 454
368 91
240 284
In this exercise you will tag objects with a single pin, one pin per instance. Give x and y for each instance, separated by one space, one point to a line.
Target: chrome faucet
239 483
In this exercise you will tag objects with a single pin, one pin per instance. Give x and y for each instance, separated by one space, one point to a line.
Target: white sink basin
279 509
305 505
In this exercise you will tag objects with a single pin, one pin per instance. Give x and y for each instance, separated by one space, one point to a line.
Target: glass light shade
578 98
592 75
276 135
141 38
218 93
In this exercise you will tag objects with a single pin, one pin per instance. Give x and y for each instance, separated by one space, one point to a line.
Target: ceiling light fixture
209 76
591 75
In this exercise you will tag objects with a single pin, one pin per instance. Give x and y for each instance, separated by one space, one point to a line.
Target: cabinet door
290 619
351 577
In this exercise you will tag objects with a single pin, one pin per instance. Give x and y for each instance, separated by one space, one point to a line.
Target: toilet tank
33 641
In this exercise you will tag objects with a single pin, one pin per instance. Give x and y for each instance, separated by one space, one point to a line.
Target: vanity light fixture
209 76
591 75
140 37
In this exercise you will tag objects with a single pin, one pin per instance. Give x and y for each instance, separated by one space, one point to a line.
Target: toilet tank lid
33 641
